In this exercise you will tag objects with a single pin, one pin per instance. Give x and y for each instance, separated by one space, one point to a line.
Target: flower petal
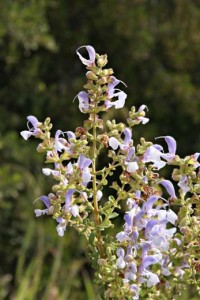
114 143
45 200
26 134
149 260
143 120
68 197
183 183
128 134
40 212
33 120
75 210
83 101
169 187
92 54
142 108
132 167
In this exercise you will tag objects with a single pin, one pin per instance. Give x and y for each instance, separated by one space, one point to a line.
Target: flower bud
120 126
107 72
108 123
102 61
51 210
91 76
103 80
80 131
40 148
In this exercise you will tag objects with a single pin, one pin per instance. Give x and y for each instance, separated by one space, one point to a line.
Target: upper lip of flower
92 55
112 92
83 101
34 130
125 146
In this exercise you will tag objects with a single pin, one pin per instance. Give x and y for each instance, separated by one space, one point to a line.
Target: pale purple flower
150 221
138 194
134 288
61 227
83 101
131 216
71 139
154 154
149 226
142 119
60 142
179 272
47 172
118 103
125 146
168 215
146 234
112 92
34 130
135 235
45 200
127 140
171 143
92 55
71 136
160 237
147 206
165 270
150 278
145 249
68 197
132 167
40 212
195 157
120 261
84 163
69 169
148 261
114 143
69 207
130 154
169 187
122 236
184 185
111 86
74 210
131 271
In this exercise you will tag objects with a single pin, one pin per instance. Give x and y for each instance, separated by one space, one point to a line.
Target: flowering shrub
156 253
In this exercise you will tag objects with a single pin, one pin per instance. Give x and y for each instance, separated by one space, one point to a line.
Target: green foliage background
153 45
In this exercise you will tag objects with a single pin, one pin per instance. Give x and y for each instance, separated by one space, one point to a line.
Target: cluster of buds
157 247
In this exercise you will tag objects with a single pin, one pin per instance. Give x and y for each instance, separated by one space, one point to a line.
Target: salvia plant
155 254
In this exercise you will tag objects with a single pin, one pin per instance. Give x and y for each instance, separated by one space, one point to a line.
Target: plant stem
94 185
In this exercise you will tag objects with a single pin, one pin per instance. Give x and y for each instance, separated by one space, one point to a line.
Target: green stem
107 172
94 184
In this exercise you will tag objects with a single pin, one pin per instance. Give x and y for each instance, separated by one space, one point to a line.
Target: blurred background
152 45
